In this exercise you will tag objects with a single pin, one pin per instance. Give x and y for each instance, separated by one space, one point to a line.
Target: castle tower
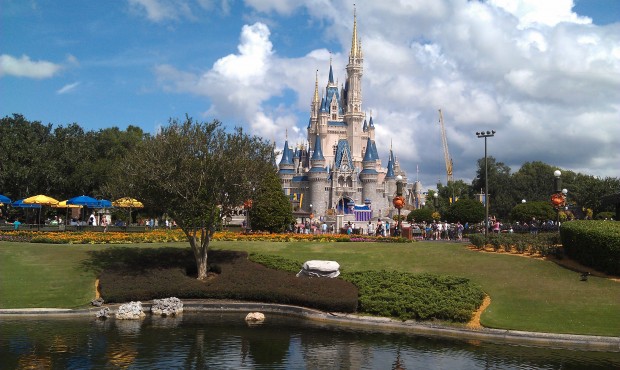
354 115
369 174
317 176
286 169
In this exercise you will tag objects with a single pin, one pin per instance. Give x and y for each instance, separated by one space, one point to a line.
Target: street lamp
558 198
436 200
399 202
485 135
523 201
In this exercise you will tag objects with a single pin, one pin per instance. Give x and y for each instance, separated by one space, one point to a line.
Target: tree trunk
200 255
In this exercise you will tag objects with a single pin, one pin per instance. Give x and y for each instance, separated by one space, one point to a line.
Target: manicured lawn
526 294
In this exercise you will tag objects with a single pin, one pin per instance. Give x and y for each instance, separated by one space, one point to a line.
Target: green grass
526 294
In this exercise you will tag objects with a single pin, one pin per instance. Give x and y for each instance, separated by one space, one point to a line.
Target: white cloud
536 12
24 67
544 77
67 88
161 10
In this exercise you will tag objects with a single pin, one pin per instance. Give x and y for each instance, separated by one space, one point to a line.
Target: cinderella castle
339 171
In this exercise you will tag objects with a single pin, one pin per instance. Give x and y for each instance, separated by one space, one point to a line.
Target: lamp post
399 202
436 200
485 135
523 201
558 198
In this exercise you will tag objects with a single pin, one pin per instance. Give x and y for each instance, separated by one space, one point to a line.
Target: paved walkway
382 324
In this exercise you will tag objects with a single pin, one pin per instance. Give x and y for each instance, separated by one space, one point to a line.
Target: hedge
595 244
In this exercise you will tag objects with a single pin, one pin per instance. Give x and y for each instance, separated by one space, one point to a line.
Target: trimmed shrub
416 296
595 244
131 279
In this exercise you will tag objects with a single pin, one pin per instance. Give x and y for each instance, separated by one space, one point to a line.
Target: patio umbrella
20 204
83 200
43 200
129 203
5 199
64 204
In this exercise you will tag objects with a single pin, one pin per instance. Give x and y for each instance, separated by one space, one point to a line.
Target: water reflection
224 341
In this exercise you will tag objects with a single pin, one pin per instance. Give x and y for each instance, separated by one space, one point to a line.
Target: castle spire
315 100
354 41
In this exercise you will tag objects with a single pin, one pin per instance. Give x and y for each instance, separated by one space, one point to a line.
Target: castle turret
286 169
368 176
317 176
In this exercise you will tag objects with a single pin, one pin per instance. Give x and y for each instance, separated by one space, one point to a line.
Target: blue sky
544 74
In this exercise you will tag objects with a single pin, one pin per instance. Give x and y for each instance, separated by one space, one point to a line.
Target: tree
196 172
420 214
500 198
271 210
525 212
466 210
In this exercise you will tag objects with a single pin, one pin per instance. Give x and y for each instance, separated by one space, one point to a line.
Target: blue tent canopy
5 199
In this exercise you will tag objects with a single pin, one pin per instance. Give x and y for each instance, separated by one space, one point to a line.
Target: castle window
335 147
334 117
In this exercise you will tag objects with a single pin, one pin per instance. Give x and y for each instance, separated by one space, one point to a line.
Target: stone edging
569 341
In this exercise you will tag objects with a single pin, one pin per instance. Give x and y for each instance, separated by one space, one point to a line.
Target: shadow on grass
139 260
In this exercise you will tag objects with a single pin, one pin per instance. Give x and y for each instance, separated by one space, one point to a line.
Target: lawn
526 294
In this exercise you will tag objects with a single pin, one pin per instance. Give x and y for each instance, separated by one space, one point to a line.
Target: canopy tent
5 199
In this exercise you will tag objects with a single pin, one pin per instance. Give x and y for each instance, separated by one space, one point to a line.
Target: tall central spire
354 41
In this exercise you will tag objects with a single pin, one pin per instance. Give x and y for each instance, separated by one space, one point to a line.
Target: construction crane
446 153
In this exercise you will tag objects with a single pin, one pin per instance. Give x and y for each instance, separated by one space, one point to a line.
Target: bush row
403 295
593 243
237 278
543 243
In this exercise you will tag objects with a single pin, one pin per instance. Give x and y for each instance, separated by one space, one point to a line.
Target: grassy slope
526 294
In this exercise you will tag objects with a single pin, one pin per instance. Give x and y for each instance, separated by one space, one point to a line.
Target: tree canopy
195 172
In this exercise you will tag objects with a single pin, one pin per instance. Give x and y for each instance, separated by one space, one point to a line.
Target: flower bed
165 236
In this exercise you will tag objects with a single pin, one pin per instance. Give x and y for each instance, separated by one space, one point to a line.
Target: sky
545 75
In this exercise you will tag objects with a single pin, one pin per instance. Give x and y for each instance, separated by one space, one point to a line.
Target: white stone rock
167 306
318 268
255 317
130 311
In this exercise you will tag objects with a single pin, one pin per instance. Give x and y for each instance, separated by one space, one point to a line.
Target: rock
97 302
255 317
130 311
167 306
318 268
103 313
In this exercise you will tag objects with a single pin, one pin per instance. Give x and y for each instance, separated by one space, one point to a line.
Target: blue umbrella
20 204
5 199
84 200
103 203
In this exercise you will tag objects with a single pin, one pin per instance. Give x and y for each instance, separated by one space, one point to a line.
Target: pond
225 341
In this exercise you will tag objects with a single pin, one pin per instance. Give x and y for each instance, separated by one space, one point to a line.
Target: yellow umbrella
127 202
43 200
64 204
